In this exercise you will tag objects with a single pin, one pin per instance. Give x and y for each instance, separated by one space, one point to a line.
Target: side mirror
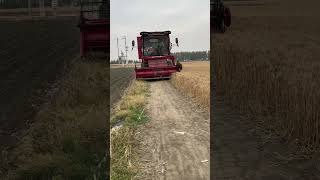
133 43
177 41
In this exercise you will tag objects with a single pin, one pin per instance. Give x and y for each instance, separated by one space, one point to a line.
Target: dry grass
269 65
130 111
194 81
121 65
67 138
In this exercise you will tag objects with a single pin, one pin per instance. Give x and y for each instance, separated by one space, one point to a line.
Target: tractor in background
155 56
94 24
220 16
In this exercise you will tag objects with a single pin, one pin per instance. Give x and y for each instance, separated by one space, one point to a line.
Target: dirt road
175 142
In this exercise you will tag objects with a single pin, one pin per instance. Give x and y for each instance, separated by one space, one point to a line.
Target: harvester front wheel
227 17
222 26
179 65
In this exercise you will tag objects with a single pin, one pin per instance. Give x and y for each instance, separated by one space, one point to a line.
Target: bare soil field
33 54
120 78
265 86
174 144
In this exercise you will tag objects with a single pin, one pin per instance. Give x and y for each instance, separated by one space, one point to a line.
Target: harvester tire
222 26
179 65
227 17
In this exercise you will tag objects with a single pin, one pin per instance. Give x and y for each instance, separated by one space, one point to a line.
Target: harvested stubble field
268 64
120 77
53 107
33 54
67 139
194 81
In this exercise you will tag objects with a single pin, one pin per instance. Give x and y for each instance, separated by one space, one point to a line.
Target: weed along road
175 141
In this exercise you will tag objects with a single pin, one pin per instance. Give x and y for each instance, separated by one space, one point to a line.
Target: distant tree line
12 4
193 55
180 56
119 62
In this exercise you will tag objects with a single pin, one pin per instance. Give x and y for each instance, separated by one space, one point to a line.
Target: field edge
129 113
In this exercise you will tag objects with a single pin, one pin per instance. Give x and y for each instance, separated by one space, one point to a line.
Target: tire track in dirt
176 139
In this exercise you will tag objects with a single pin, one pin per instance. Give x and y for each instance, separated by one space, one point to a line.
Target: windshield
156 46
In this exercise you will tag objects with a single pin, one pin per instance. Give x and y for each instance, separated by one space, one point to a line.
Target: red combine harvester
155 57
94 27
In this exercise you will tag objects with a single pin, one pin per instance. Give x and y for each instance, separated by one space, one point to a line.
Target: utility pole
29 7
125 47
54 4
41 8
118 48
122 55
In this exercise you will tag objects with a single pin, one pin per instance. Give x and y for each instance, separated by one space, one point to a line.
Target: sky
188 20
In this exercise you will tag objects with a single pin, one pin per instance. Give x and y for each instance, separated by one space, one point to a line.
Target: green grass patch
136 116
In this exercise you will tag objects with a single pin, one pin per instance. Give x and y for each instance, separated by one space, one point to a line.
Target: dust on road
175 141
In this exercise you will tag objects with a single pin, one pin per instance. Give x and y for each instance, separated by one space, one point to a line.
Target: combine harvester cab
94 26
155 56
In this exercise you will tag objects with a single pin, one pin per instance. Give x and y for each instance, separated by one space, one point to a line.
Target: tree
193 55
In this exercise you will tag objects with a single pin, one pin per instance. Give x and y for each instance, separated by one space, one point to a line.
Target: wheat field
268 64
194 81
